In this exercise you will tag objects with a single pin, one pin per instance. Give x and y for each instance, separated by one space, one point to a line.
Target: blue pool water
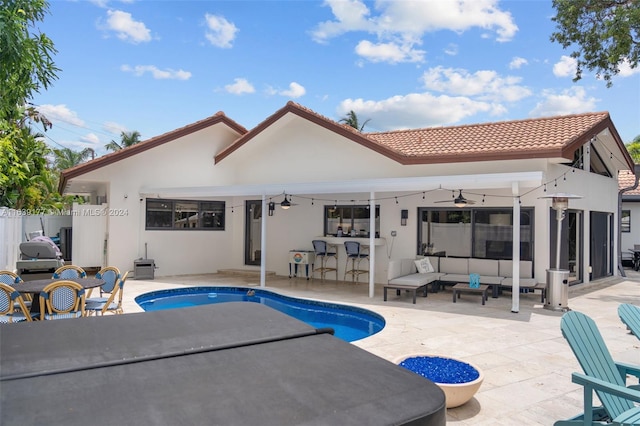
350 323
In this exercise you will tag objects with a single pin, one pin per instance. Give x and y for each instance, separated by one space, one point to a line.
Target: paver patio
527 363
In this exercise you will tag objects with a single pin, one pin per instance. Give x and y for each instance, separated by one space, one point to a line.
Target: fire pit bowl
459 380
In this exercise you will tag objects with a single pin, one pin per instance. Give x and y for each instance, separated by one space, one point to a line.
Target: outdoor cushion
424 265
454 265
483 267
506 268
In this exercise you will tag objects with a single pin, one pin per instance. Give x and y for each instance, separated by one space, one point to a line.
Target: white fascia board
476 181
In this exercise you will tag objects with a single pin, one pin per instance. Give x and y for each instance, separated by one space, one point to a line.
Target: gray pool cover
224 364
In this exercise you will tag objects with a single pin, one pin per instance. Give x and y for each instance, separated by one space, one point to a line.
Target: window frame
204 210
352 216
625 227
469 216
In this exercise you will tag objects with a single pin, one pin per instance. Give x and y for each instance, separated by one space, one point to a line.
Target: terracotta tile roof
540 137
627 179
308 114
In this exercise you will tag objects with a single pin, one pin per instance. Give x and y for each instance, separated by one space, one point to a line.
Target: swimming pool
349 322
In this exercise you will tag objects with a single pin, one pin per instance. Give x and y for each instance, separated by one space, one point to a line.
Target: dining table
36 286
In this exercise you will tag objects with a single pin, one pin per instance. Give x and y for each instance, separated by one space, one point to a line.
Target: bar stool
325 252
356 253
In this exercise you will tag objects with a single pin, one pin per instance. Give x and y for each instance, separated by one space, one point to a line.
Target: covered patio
371 192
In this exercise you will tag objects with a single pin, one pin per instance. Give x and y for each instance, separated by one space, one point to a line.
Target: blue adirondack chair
602 375
630 315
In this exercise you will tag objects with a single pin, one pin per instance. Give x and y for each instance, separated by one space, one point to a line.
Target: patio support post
263 244
515 293
372 243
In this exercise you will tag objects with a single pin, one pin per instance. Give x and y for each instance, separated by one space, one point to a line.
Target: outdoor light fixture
285 204
404 215
272 207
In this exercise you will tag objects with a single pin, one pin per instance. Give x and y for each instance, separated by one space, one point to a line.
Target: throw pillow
423 265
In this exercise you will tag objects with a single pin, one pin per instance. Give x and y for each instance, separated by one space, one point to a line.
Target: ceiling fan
459 201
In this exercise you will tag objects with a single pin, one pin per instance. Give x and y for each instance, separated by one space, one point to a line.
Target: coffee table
464 288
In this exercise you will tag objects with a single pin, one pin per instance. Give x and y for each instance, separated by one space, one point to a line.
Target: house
193 199
629 213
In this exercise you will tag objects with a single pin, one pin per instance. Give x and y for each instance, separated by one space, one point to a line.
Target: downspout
636 171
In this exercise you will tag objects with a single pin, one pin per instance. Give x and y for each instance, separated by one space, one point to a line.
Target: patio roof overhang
421 183
513 181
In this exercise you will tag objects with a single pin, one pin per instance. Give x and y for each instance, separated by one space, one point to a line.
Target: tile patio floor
526 362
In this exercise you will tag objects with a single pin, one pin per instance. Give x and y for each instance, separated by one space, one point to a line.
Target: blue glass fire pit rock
441 370
458 380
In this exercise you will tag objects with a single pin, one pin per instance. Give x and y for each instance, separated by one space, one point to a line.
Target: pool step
244 272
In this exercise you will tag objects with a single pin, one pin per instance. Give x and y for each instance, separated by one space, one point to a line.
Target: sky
155 66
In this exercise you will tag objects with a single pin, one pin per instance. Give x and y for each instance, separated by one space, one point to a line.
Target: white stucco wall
294 150
633 237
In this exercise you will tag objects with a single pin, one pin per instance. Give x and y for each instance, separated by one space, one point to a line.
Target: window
482 233
625 221
347 218
184 214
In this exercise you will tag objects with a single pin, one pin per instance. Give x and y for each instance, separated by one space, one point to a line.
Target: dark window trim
625 227
327 208
201 207
472 212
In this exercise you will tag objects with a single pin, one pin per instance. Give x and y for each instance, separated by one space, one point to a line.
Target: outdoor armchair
9 298
62 299
602 375
111 304
67 272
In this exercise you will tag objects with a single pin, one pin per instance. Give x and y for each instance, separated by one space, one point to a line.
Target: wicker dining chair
62 299
111 276
12 279
9 299
110 305
67 272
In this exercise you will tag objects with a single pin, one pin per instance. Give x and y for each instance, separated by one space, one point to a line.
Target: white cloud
566 67
389 52
60 113
158 74
517 62
114 128
483 84
626 70
221 32
295 90
415 110
570 101
451 49
404 23
240 87
90 139
351 15
126 28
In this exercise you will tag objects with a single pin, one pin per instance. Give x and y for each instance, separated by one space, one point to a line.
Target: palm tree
351 119
66 158
634 149
127 139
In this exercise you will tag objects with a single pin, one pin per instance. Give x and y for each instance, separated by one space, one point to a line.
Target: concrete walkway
526 361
